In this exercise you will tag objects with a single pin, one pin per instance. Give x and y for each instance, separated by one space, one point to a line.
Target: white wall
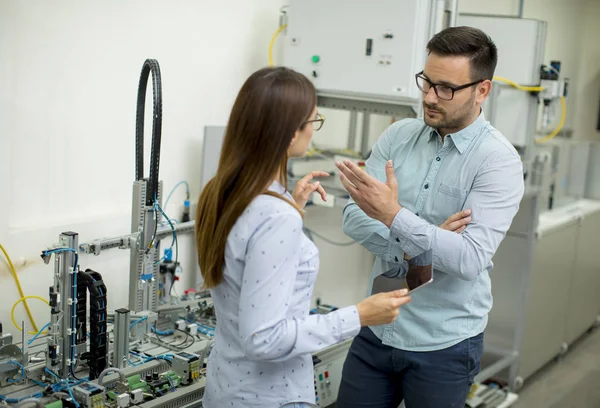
68 90
571 38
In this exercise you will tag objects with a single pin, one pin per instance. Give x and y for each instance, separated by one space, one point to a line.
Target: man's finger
391 176
459 215
348 185
454 225
350 175
360 173
461 229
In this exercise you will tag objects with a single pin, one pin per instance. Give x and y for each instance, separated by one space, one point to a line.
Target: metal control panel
328 372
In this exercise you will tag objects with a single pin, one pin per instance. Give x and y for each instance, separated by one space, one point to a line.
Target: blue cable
38 333
174 242
162 333
52 374
15 362
72 397
145 359
206 327
138 321
16 400
187 191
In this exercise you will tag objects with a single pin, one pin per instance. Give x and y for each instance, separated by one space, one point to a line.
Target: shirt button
417 214
396 258
426 186
437 159
397 239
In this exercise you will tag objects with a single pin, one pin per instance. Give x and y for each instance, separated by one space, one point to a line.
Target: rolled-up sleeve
494 200
266 330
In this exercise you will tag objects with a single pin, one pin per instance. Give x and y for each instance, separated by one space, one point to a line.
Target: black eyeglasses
444 92
317 122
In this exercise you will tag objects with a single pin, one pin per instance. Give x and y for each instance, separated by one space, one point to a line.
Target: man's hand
304 188
378 200
457 222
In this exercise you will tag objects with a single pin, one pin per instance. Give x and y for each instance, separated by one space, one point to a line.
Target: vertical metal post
121 348
24 331
366 127
352 130
143 272
68 297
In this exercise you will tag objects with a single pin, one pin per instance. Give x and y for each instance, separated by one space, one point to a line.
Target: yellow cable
279 30
19 288
563 117
519 87
12 311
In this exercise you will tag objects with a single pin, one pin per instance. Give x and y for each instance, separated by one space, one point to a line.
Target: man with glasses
421 171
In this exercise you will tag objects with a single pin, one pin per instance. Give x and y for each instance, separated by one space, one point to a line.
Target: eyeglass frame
320 119
434 86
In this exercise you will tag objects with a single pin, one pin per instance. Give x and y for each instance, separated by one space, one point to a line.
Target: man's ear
483 91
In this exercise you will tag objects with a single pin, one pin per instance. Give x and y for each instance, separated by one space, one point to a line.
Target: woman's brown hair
271 106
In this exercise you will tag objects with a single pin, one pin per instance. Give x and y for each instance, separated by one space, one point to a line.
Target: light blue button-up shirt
265 335
475 168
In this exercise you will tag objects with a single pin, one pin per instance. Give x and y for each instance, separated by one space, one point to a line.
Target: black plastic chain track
98 354
150 65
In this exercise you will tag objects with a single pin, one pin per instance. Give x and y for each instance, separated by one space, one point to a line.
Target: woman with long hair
256 260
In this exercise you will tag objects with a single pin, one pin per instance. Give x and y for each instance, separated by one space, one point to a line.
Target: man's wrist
388 218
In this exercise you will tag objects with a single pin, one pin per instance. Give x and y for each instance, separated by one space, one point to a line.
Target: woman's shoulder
267 206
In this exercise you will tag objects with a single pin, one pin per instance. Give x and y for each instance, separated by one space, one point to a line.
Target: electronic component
158 385
55 404
123 400
192 328
137 396
187 366
68 402
180 324
89 395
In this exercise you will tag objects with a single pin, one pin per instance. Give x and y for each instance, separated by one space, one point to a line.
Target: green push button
316 58
320 377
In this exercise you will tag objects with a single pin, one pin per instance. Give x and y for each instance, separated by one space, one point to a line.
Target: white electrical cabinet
365 50
521 44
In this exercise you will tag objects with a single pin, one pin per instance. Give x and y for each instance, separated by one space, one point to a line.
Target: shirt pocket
449 200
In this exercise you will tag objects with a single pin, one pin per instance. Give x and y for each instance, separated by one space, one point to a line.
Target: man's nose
431 97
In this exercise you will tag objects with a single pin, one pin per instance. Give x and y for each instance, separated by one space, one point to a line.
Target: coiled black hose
150 65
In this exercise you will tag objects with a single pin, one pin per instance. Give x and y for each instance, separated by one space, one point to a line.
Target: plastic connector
186 211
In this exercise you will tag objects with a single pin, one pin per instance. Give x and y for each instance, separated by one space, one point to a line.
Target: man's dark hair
467 42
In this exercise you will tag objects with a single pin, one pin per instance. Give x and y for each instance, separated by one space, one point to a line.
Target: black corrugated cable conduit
150 65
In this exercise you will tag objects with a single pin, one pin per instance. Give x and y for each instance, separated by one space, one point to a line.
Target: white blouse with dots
265 335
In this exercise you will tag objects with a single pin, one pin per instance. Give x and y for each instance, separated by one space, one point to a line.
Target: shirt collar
463 138
277 187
